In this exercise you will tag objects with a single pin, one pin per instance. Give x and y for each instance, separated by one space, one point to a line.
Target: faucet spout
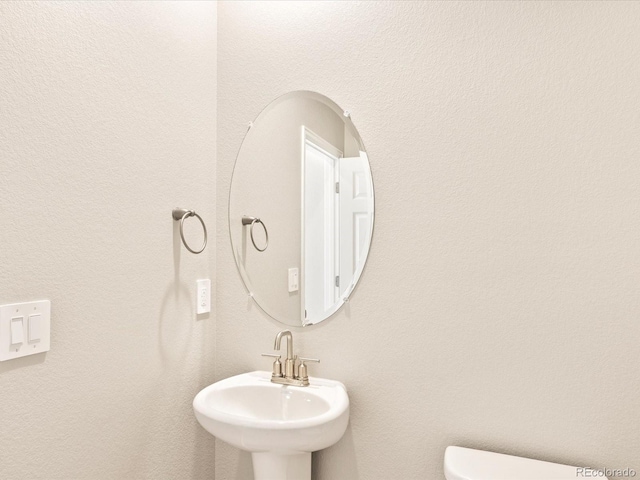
289 372
289 336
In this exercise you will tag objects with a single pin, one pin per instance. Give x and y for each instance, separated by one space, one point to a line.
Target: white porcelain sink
280 425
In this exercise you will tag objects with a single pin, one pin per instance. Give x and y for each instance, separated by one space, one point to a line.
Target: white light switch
34 328
203 296
25 329
293 280
17 330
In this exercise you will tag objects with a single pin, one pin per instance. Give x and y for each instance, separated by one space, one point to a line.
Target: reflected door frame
308 137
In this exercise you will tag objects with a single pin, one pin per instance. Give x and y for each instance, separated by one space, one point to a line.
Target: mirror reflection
301 208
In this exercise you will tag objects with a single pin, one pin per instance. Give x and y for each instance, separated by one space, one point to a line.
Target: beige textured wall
107 121
500 305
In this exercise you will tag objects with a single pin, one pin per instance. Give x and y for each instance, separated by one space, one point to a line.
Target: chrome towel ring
252 221
180 214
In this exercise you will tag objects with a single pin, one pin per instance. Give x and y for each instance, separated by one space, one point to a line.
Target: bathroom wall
107 122
499 308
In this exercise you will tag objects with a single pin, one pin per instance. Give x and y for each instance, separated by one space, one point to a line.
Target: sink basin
280 425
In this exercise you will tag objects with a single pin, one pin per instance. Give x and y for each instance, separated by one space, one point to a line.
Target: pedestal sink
280 425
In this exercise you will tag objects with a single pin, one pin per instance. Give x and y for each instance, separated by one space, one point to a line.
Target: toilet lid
467 464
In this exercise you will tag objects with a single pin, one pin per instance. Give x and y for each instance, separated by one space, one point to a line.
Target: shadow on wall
245 466
174 343
203 448
343 459
22 362
173 337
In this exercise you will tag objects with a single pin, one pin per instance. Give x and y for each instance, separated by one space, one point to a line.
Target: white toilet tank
467 464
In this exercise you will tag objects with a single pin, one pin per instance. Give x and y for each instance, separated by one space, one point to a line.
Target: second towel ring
180 214
252 221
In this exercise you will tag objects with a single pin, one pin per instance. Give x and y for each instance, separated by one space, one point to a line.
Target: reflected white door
321 262
356 210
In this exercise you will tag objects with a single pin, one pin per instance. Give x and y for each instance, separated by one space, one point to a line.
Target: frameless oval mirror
301 208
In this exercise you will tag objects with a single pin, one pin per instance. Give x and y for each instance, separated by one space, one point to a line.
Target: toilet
468 464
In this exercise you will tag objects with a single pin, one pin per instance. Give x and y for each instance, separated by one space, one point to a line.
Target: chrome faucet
294 373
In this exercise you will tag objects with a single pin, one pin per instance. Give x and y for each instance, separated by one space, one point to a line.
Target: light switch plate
293 280
26 347
203 296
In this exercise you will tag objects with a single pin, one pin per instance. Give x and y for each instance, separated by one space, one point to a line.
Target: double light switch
32 327
24 329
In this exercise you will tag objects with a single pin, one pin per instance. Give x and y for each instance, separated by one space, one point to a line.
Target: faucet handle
305 359
302 369
277 366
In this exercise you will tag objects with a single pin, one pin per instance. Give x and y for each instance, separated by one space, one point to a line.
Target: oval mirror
301 208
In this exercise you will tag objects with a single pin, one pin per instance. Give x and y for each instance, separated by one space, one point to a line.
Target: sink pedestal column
272 466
